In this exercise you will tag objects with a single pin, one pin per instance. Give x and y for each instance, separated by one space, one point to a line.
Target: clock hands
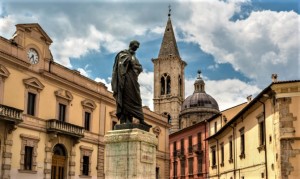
32 57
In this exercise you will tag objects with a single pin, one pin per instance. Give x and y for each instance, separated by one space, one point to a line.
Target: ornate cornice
66 82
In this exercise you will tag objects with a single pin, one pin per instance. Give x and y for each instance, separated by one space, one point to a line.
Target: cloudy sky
237 44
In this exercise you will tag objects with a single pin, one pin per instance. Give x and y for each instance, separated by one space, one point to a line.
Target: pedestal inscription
130 153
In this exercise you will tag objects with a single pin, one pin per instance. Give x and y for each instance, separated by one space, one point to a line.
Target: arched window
162 82
168 84
168 116
179 86
59 150
165 84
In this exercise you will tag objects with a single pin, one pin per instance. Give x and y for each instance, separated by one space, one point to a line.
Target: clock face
33 56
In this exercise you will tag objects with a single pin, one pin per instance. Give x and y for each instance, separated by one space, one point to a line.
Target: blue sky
237 44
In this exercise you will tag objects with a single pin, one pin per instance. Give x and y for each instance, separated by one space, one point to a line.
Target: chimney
274 78
249 98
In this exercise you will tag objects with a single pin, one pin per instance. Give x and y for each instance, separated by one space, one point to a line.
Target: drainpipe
265 136
233 148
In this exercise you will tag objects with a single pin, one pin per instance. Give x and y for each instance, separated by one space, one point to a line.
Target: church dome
197 107
200 99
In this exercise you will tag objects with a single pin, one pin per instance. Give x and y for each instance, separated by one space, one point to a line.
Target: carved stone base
130 154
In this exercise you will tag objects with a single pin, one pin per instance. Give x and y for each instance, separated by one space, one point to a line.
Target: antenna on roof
169 14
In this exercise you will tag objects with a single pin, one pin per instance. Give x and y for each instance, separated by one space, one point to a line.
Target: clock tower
33 46
169 78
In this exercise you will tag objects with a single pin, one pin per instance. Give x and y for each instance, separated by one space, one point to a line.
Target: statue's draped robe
125 86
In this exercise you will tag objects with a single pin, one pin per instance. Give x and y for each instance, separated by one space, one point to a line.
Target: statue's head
134 45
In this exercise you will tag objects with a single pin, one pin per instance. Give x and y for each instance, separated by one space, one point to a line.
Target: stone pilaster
72 163
130 154
100 164
286 137
48 160
7 154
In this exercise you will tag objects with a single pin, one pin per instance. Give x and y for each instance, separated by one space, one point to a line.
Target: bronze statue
125 86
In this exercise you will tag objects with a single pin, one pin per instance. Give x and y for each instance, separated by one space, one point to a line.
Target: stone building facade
262 140
53 119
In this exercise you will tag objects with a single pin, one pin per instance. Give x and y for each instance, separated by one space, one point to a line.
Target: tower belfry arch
169 77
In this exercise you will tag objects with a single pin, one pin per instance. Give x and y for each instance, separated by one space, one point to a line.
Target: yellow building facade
52 119
262 140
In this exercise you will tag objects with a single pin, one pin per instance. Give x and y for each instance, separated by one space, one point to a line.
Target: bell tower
169 78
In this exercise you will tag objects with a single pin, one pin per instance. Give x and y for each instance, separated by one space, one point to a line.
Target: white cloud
106 82
228 92
7 26
146 82
158 30
266 42
84 72
77 46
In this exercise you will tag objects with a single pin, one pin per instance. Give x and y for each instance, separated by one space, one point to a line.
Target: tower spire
168 46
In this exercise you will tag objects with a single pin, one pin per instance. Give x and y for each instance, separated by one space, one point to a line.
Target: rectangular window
62 112
191 169
175 169
213 157
174 149
261 133
182 167
182 146
87 118
190 144
216 127
199 164
28 158
199 141
31 104
230 150
222 154
85 165
242 143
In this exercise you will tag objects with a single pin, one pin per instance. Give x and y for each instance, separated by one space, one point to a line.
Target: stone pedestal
130 154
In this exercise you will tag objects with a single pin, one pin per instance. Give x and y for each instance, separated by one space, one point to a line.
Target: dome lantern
199 84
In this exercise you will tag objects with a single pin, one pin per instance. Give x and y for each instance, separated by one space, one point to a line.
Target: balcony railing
197 148
180 153
57 126
10 114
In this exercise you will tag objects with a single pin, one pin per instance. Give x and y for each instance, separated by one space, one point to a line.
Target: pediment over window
64 94
88 104
33 83
4 73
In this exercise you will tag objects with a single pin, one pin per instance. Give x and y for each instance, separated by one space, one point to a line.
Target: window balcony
197 148
10 114
61 127
180 153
